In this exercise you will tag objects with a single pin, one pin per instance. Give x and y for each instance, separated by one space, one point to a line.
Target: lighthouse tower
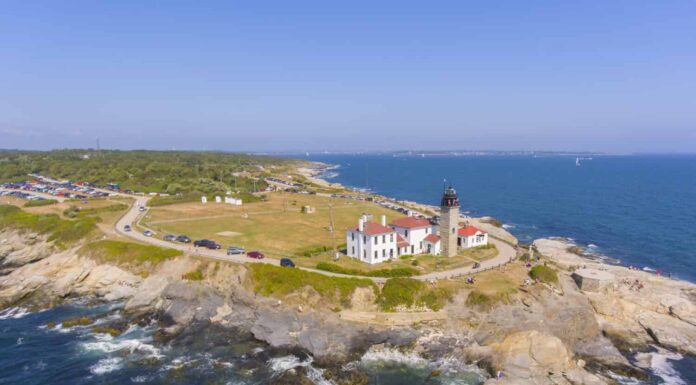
449 222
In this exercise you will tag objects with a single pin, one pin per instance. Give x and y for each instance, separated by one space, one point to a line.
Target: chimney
361 224
384 220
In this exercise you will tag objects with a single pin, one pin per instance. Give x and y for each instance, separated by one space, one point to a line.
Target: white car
148 233
142 208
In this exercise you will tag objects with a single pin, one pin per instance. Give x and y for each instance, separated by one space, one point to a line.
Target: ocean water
33 354
640 210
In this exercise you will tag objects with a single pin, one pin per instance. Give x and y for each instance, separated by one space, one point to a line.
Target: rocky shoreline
555 334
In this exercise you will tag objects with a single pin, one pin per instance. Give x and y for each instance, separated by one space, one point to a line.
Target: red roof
432 238
410 222
469 231
373 228
401 241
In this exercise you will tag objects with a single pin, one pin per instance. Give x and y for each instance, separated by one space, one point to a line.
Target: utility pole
331 229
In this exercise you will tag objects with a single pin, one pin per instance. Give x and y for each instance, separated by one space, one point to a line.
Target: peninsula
366 274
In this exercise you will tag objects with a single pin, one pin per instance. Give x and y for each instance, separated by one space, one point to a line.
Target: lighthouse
449 222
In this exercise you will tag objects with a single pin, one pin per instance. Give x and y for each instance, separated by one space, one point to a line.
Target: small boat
577 161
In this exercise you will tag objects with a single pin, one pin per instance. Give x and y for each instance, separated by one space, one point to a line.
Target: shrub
408 292
105 209
71 212
399 292
486 246
42 202
406 256
274 280
312 251
389 273
128 252
59 230
195 275
544 273
486 301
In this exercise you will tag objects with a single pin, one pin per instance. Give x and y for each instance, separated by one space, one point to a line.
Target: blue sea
640 210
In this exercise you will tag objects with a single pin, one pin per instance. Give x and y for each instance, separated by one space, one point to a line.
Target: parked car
142 208
235 250
255 255
207 243
287 262
476 265
148 233
126 228
183 239
170 237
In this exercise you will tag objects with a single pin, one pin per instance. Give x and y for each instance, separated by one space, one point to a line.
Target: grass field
276 227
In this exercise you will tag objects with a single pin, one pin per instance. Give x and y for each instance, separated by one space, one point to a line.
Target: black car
287 262
183 239
207 243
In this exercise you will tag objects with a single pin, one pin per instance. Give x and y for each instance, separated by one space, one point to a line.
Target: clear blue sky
363 75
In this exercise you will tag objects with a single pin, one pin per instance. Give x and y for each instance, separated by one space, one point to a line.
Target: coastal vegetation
39 203
409 292
195 275
388 273
135 256
269 280
171 172
60 230
544 274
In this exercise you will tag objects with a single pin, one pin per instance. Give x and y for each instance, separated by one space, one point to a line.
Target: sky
612 76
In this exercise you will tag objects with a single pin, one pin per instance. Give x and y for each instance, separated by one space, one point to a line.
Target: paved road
505 252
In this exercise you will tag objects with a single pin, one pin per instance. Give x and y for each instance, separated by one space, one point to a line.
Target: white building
414 230
371 242
470 236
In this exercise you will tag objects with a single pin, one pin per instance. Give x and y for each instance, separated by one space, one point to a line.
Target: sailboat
577 161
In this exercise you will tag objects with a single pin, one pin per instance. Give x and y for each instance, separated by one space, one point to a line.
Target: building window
376 240
364 254
391 237
406 233
376 255
352 236
391 253
352 250
384 253
364 239
384 239
426 230
453 230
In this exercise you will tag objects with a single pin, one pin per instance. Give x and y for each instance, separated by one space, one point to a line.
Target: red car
255 255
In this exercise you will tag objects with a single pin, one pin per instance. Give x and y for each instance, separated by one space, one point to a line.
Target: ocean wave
108 344
506 226
282 364
661 367
14 313
106 365
381 355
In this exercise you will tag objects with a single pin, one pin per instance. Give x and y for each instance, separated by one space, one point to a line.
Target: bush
128 252
486 246
105 209
195 275
399 292
71 212
59 230
274 280
42 202
408 292
389 273
544 273
406 256
485 301
312 251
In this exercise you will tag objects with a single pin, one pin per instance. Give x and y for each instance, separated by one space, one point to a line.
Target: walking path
506 252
